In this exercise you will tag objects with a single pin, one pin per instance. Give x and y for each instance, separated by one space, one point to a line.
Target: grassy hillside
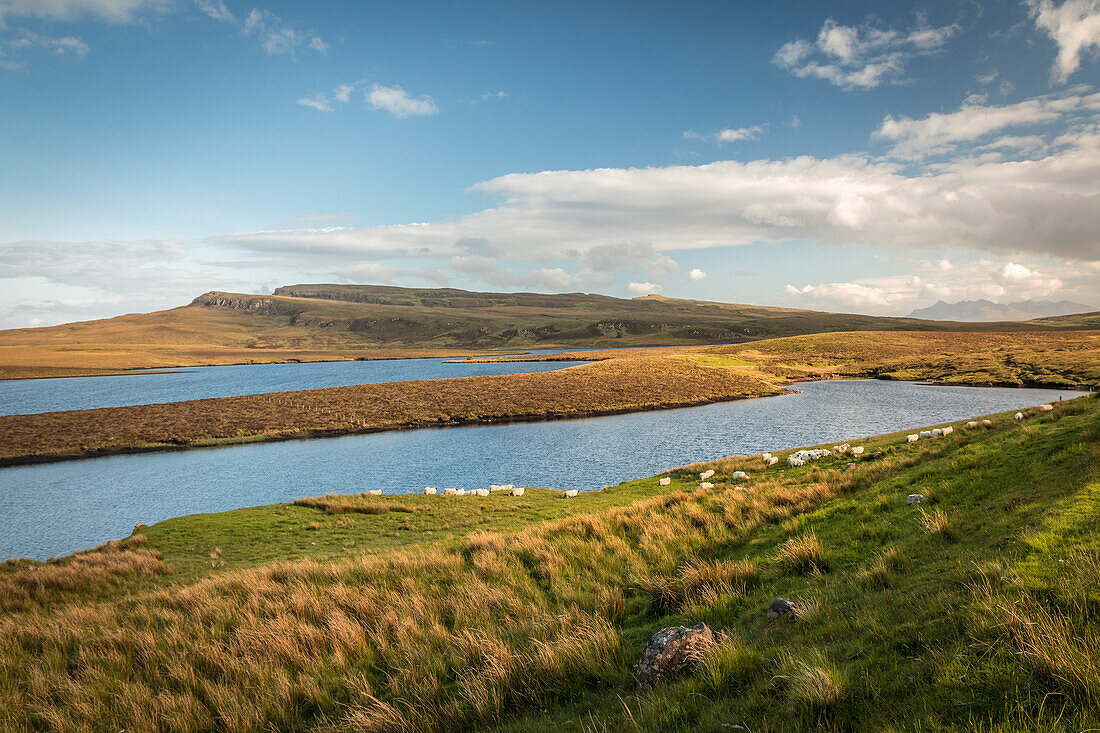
975 610
317 322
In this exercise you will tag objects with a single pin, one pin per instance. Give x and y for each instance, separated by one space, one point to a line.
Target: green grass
490 615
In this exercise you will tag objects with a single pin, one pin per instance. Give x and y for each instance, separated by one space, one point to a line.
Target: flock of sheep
803 456
504 489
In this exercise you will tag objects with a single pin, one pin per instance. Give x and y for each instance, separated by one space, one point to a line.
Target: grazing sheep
773 460
739 474
480 492
766 456
972 424
430 490
495 487
507 487
912 438
841 448
706 485
925 434
987 423
936 432
857 451
948 430
665 481
915 499
517 491
706 474
375 492
460 492
795 461
1018 416
450 492
1046 408
571 493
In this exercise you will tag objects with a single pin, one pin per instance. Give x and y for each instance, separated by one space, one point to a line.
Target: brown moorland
629 383
618 381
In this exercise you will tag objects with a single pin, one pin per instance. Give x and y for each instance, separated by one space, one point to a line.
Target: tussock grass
938 524
811 682
802 555
357 504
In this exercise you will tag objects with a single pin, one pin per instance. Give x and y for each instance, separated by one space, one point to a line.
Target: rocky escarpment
253 304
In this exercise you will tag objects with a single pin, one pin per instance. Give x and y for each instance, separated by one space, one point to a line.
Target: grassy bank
974 610
618 381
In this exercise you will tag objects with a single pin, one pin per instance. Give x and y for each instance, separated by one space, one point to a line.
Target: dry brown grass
802 554
357 504
811 682
938 524
33 583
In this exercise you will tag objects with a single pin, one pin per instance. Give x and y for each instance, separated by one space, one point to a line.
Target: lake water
25 396
55 509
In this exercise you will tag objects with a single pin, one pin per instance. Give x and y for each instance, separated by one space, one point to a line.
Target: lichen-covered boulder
674 651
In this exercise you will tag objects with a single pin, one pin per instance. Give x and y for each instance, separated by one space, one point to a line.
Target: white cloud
400 103
643 288
940 133
318 101
278 37
485 269
369 272
486 96
217 10
1074 25
11 50
112 11
859 58
697 275
729 134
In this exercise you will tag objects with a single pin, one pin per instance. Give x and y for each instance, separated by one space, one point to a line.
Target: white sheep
925 434
480 492
571 493
913 438
857 451
706 485
937 432
841 448
665 481
430 490
795 461
460 492
948 430
507 487
739 474
450 492
1018 416
773 460
517 491
495 487
375 492
987 423
706 474
1046 408
766 456
972 424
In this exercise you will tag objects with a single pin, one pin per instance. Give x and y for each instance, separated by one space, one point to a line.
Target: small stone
780 607
915 499
851 465
673 651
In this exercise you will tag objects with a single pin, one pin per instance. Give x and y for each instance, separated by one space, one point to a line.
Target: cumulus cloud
697 275
1074 25
1001 281
859 57
643 288
399 103
943 132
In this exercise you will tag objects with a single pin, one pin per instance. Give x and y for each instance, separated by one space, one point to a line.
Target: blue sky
851 156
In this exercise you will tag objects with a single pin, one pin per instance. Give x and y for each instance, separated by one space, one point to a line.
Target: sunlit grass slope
974 610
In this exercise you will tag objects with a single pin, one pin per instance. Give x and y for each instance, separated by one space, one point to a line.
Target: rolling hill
335 322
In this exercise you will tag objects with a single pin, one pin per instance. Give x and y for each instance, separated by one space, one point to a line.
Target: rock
915 499
780 607
672 651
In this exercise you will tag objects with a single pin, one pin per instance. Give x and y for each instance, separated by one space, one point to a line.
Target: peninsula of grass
617 381
974 610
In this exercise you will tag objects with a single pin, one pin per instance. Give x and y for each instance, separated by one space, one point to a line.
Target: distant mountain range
984 310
